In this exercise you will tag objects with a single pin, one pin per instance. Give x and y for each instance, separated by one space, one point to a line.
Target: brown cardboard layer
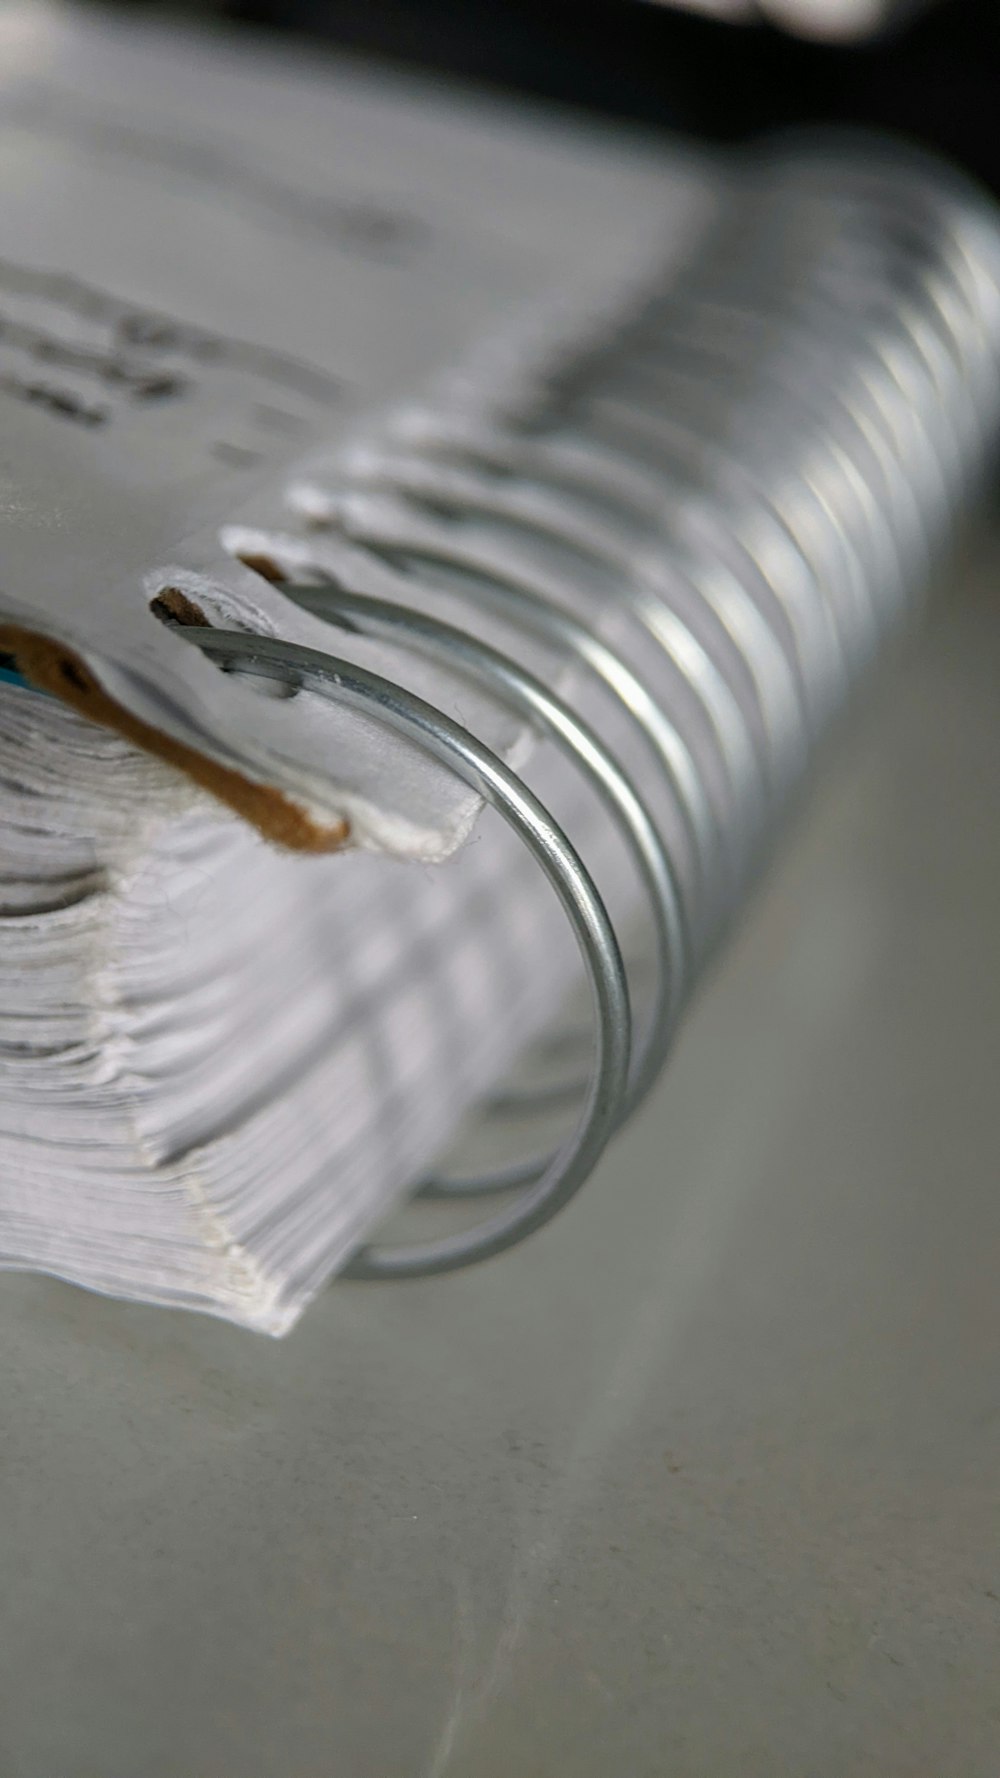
54 668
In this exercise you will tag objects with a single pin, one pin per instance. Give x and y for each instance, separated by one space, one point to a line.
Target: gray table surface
704 1481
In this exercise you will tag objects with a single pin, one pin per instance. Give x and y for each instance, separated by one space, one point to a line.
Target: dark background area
933 78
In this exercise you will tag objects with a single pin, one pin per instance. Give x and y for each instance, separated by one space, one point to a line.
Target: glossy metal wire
755 471
542 600
534 600
356 688
520 691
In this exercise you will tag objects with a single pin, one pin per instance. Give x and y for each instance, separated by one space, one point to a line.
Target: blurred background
718 68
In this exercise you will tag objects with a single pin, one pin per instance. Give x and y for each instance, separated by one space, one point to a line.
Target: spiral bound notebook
374 452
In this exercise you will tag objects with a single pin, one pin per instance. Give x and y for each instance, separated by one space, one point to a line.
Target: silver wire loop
468 655
355 687
536 599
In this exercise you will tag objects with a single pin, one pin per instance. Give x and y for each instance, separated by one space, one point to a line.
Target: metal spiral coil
758 471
